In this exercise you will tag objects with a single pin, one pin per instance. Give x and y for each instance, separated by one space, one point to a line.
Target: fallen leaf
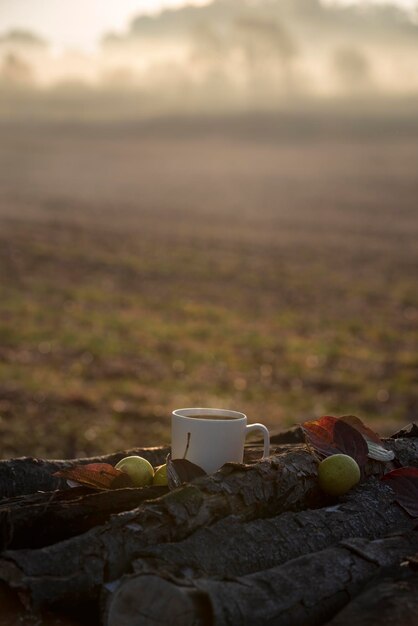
331 435
404 482
356 423
320 435
96 475
377 451
401 471
180 471
349 441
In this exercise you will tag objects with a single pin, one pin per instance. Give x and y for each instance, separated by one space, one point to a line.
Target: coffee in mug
212 437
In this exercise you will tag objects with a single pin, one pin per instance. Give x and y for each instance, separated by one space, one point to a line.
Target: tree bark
74 571
12 613
307 590
291 435
393 600
28 475
233 548
79 566
410 430
42 519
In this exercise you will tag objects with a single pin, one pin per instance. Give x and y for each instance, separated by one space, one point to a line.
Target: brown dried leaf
377 450
180 471
320 435
330 435
356 423
349 441
100 476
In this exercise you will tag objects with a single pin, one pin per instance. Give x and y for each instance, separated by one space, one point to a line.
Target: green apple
337 474
160 476
138 469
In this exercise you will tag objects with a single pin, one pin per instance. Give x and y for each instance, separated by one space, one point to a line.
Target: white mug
214 440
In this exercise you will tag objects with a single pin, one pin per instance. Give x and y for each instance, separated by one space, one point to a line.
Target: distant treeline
231 53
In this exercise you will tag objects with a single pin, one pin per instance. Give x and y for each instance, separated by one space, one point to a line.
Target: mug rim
195 411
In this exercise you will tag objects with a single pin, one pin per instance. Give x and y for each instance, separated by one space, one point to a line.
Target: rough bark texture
42 519
76 569
28 475
307 590
13 614
410 430
79 566
292 435
233 548
406 451
392 601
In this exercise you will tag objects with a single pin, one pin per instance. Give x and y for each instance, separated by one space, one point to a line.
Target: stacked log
306 590
27 475
393 597
256 543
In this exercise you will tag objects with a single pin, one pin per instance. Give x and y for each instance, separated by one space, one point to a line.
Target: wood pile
257 543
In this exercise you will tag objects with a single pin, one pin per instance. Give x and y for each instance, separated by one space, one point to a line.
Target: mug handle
266 436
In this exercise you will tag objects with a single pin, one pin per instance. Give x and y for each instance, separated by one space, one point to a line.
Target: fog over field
265 263
228 54
218 207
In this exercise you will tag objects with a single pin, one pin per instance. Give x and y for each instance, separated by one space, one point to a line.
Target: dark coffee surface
213 417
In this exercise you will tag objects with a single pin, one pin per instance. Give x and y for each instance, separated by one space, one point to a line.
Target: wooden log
308 590
28 475
242 548
75 570
13 613
408 431
41 519
291 435
393 602
78 567
392 599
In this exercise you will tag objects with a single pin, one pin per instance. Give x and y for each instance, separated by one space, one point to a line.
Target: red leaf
320 434
401 471
377 449
404 482
97 476
330 435
349 441
356 423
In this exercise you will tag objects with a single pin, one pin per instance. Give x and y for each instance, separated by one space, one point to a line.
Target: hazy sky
76 23
80 23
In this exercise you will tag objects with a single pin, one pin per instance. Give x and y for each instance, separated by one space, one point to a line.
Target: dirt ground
265 263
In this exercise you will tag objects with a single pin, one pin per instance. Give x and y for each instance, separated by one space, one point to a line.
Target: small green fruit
138 469
160 476
337 474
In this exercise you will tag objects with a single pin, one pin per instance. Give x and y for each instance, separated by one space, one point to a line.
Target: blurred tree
22 38
263 39
268 50
352 68
16 71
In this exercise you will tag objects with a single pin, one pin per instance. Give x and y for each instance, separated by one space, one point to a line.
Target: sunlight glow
79 23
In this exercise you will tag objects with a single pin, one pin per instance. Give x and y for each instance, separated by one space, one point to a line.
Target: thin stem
187 446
